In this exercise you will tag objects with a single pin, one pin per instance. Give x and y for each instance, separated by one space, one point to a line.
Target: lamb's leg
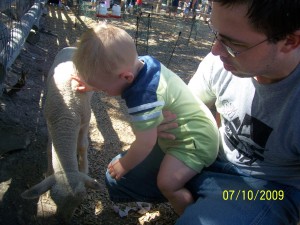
49 156
82 147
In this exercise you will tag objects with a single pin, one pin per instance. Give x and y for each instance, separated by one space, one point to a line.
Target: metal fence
16 20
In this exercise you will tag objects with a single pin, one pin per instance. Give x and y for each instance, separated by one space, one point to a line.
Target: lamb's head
66 189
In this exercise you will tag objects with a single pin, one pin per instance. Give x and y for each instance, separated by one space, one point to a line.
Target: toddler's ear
81 86
128 76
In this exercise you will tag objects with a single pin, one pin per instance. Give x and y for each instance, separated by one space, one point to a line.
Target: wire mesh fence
17 17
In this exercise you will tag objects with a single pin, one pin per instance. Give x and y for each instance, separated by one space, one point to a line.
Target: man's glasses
229 50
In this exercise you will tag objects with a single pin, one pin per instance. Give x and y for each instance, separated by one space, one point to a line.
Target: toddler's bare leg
172 177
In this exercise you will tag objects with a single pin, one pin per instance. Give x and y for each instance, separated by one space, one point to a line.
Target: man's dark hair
275 18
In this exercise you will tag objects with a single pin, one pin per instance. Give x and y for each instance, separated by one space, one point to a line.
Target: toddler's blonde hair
104 51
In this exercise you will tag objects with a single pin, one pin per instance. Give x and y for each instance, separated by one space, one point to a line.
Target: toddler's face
113 86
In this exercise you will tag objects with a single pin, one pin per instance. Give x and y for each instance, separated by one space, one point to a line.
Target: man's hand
167 124
81 85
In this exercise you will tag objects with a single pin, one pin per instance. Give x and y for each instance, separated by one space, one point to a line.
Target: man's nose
218 49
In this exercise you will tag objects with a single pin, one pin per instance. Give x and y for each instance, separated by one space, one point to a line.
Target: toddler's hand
116 170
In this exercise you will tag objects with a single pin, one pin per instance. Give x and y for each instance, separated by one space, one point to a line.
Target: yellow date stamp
252 195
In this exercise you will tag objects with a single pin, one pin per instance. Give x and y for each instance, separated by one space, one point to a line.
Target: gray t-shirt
260 124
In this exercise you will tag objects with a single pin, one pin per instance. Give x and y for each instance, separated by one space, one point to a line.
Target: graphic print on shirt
246 135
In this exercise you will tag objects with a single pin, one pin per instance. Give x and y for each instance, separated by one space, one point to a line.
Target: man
252 77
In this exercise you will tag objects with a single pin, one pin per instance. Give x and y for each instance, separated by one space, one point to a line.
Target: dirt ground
179 44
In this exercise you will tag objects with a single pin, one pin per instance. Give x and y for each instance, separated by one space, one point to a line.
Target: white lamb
68 115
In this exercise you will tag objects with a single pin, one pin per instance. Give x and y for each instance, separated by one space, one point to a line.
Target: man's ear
127 76
291 42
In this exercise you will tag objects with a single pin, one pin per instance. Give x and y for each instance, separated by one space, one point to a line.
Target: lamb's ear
39 189
92 183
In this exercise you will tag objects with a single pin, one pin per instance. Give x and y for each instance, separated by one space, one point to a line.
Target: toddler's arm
138 151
